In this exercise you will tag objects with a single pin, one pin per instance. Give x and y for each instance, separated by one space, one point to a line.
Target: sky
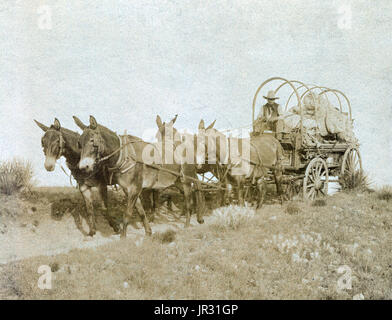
127 61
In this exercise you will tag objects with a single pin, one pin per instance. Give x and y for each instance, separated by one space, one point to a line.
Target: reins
157 167
61 153
68 175
122 146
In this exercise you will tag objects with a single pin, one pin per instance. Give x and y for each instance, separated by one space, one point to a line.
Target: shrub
232 217
60 207
54 267
15 175
358 181
166 236
319 203
385 193
292 208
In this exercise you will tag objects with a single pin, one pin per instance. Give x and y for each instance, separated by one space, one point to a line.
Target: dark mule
204 164
98 142
245 159
58 142
125 157
179 154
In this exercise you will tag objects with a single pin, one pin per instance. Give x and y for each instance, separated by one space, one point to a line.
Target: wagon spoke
316 177
320 168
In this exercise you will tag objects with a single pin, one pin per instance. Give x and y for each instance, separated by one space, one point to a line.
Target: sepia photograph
216 151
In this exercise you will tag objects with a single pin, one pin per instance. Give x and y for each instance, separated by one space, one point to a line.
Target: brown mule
246 159
58 142
124 156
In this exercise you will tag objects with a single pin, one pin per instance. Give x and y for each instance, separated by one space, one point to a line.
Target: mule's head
91 144
53 143
166 131
208 142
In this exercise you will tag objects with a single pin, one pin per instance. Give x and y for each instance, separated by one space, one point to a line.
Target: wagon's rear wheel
351 168
316 179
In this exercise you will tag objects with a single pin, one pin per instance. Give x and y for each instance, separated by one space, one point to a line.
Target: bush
319 203
166 236
232 217
358 181
60 207
292 208
15 175
385 193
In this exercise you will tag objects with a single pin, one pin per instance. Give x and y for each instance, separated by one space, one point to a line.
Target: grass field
295 251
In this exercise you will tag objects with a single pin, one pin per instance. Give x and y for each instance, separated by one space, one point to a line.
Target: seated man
269 114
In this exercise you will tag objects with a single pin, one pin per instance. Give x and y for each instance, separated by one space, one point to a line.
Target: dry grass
385 193
359 181
319 203
292 208
166 236
15 175
232 217
274 255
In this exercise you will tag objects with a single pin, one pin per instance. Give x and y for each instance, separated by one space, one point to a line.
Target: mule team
99 157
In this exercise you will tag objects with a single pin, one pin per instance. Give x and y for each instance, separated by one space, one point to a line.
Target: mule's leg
278 175
143 216
88 199
224 193
132 196
240 192
78 222
155 203
200 204
261 186
187 199
103 193
133 222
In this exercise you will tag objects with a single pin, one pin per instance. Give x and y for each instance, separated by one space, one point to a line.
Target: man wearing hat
269 113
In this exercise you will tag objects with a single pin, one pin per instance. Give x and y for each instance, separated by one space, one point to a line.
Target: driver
269 113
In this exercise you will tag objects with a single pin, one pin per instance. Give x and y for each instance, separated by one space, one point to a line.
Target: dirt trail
24 239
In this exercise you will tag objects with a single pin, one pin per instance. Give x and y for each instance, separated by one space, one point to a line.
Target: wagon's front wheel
316 179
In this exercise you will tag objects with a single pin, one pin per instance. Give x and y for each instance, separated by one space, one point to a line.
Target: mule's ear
159 121
42 126
79 123
93 123
57 124
211 125
201 124
173 120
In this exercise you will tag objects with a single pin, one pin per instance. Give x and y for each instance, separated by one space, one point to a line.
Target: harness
125 161
61 153
62 144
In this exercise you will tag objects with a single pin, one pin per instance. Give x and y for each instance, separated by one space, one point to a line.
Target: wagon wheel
351 167
316 179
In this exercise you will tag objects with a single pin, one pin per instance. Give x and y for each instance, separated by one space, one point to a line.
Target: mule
123 156
183 149
244 159
204 164
60 142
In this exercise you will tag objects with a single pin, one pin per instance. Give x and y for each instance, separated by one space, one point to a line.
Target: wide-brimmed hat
271 95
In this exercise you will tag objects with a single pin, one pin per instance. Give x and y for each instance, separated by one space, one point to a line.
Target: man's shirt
269 111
